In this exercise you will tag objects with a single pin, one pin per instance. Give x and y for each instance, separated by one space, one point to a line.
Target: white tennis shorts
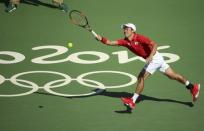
157 63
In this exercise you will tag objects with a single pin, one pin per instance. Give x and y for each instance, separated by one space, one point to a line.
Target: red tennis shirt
139 45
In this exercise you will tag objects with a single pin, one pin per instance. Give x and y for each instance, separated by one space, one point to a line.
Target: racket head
78 18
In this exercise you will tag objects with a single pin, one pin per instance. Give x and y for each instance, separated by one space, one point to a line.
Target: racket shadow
97 91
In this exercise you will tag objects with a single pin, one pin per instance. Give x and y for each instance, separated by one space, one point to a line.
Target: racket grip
94 33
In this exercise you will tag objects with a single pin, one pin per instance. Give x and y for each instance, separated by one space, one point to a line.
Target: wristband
104 40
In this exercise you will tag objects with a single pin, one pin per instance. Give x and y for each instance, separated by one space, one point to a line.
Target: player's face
127 31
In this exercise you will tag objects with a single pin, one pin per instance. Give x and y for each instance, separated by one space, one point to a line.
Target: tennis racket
79 19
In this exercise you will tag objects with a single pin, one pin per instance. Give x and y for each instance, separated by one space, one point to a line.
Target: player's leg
60 4
140 83
194 88
139 88
148 69
12 5
175 76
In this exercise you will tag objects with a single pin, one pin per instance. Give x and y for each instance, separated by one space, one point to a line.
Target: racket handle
94 33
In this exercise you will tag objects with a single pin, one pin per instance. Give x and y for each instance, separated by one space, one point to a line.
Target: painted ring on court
48 85
48 88
33 85
81 78
66 80
2 79
13 79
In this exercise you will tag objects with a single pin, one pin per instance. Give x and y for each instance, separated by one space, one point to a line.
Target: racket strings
78 19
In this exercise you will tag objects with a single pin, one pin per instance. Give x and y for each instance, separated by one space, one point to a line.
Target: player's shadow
31 2
142 98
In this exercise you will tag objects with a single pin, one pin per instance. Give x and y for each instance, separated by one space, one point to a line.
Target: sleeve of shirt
144 40
121 42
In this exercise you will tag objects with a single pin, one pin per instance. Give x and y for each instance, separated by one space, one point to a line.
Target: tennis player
146 48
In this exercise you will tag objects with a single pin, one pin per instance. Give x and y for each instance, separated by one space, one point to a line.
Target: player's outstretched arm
106 41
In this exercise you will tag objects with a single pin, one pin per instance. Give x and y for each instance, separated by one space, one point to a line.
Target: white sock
187 83
135 96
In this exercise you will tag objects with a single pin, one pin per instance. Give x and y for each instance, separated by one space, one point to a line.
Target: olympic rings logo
48 87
